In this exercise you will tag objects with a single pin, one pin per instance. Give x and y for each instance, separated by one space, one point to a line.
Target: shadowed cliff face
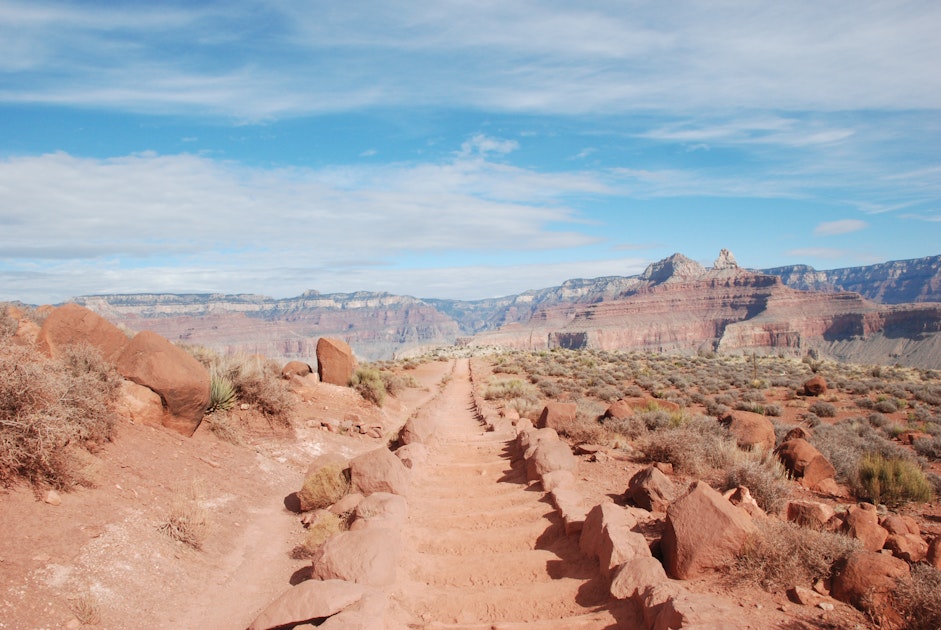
676 305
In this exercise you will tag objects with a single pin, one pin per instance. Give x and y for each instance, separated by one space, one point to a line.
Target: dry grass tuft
325 527
187 520
765 477
918 598
893 481
781 554
324 487
86 609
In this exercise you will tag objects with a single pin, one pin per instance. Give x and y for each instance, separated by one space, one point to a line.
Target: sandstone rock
140 404
379 471
366 556
309 600
816 386
295 368
335 361
899 524
557 415
654 597
599 518
862 523
413 454
550 456
803 433
865 579
697 610
52 497
703 532
369 613
570 504
421 429
330 458
805 462
558 479
619 545
71 324
651 490
741 497
529 440
631 578
347 504
812 514
908 547
934 553
619 410
381 509
181 381
750 430
804 596
725 261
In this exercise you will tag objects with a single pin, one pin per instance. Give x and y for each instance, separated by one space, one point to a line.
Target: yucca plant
222 395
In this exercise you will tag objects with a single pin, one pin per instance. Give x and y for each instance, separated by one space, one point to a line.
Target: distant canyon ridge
882 314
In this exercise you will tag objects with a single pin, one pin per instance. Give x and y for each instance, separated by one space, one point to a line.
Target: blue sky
457 149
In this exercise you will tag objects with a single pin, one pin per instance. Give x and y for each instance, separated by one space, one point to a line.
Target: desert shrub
509 389
929 447
753 395
695 446
812 420
187 521
751 406
8 323
526 407
918 598
320 531
823 409
605 392
764 475
226 427
893 481
586 427
222 395
845 444
48 407
886 406
774 409
395 384
878 420
368 382
258 382
781 554
864 403
324 487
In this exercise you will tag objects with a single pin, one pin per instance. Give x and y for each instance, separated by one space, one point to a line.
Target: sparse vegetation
50 407
324 487
322 529
764 475
368 382
919 598
187 521
222 395
781 554
86 609
893 481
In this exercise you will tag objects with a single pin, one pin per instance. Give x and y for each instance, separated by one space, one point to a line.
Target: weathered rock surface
812 514
862 523
181 381
141 404
295 368
379 471
71 324
750 430
805 462
381 509
335 361
366 556
557 415
865 579
631 578
703 532
309 600
651 489
816 386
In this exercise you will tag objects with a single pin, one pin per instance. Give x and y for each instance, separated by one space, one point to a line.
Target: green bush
893 481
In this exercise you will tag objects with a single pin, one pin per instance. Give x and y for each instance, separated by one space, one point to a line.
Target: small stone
827 606
73 624
52 498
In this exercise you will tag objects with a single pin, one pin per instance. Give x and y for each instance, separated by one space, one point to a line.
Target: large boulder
420 429
866 580
550 456
379 471
181 381
557 415
600 518
71 324
364 556
295 368
703 532
141 404
812 514
750 430
651 490
908 547
862 523
335 361
381 509
619 410
631 578
309 600
805 462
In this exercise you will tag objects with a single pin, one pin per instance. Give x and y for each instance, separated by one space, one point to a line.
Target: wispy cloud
256 61
843 226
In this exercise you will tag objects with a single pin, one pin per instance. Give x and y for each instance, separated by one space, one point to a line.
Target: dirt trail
485 550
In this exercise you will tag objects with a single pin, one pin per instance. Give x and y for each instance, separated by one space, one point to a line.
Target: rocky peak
725 261
676 268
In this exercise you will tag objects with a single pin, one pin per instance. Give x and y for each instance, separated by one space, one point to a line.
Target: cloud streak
843 226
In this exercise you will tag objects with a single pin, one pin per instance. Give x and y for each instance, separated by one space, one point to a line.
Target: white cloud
257 61
149 221
843 226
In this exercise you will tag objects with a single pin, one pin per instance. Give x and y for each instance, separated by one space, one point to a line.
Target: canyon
882 314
